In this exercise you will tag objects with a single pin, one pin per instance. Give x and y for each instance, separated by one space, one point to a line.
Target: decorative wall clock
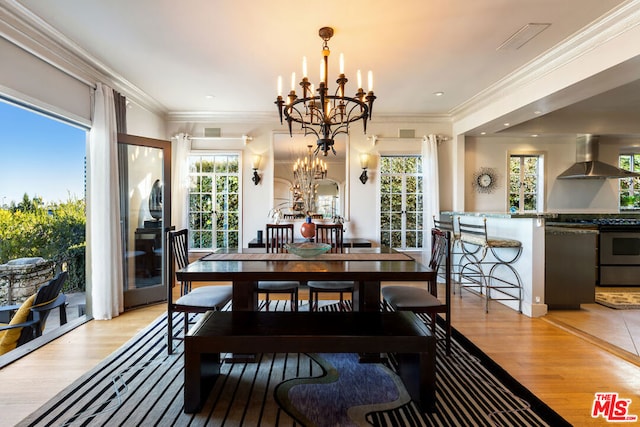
485 180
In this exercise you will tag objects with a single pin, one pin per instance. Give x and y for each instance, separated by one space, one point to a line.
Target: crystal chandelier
319 113
306 171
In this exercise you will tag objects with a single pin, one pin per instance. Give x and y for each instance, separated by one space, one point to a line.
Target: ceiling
224 56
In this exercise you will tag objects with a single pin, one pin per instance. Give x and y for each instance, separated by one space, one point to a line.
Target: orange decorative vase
308 229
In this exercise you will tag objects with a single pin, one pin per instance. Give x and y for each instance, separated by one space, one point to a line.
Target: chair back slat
178 256
179 242
332 234
441 251
438 247
443 225
277 236
474 231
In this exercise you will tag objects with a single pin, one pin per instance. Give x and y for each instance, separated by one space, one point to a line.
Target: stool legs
500 282
508 280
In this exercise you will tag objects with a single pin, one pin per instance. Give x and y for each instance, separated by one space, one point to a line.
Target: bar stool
502 278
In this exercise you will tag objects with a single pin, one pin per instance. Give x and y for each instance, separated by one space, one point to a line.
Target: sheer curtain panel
431 202
104 209
180 146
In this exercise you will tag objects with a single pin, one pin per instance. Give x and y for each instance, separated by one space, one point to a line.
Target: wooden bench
303 332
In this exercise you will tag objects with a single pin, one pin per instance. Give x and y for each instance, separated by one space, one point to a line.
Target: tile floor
619 328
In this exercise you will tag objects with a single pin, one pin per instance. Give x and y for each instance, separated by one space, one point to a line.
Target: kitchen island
530 230
609 246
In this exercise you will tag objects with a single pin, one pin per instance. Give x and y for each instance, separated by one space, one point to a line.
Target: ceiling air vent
406 133
523 36
211 132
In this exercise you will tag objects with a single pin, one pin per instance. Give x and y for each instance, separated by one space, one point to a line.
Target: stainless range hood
588 166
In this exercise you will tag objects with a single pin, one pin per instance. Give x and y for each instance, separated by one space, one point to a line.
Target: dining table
369 331
366 267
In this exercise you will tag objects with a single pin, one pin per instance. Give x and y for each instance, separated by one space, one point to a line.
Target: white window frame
540 181
239 154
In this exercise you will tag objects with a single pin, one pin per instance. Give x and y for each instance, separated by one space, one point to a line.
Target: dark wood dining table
367 267
367 331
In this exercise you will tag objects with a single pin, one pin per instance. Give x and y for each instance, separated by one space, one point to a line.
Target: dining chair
277 236
192 300
426 300
332 234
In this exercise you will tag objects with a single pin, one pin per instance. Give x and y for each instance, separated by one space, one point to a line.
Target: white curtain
181 146
104 209
431 201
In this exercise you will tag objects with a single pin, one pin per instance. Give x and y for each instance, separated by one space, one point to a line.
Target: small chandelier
321 114
306 172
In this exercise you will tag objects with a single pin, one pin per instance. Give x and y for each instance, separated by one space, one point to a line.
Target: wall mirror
331 192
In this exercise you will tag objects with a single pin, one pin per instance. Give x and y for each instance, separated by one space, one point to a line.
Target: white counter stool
502 281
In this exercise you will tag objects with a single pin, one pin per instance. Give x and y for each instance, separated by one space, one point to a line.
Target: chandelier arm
364 112
342 129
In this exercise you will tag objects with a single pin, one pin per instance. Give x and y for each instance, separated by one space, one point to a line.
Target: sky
39 156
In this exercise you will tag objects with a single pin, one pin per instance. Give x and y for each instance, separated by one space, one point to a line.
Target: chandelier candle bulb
370 81
293 81
359 80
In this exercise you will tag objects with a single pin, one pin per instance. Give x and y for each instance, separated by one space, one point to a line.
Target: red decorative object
308 229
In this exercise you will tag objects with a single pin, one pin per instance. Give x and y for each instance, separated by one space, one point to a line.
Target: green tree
55 232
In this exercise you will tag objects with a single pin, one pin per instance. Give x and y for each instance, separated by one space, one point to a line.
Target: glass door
214 201
401 202
145 210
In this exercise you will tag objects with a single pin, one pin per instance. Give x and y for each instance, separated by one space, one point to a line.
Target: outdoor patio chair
27 321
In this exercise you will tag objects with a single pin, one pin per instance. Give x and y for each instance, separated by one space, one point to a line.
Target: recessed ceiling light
507 124
537 112
483 133
438 93
535 135
209 96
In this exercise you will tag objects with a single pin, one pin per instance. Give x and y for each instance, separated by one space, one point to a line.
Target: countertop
503 214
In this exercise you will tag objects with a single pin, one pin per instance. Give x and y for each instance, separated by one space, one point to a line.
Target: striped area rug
140 385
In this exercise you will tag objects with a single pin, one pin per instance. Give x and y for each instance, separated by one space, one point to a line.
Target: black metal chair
333 235
277 236
196 300
425 300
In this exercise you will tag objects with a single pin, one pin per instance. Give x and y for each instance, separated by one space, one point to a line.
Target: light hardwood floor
561 367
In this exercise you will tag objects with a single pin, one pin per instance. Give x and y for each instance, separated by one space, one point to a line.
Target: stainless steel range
619 252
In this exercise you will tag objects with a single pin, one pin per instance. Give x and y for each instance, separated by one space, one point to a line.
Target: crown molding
26 30
271 118
222 117
620 20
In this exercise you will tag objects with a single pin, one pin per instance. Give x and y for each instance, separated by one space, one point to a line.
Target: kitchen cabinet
570 266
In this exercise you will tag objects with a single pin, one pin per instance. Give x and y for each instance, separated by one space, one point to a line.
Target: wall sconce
364 164
255 164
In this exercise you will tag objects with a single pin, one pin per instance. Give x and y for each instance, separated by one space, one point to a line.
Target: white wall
363 201
573 195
